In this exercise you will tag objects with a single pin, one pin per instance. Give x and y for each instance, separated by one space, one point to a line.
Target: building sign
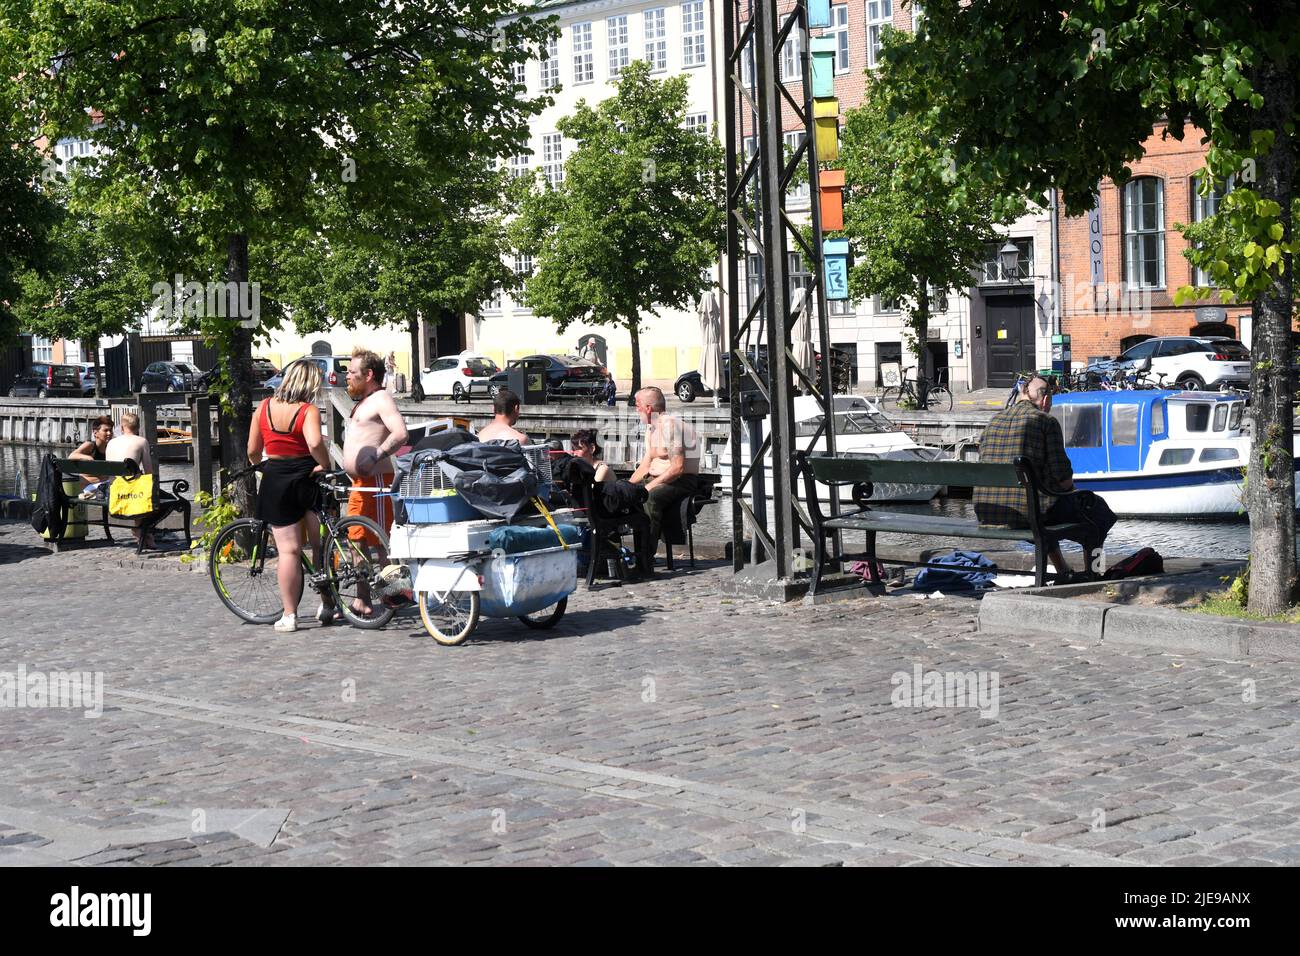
835 265
1097 265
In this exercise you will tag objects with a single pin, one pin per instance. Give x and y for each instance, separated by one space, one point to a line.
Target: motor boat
1158 453
861 431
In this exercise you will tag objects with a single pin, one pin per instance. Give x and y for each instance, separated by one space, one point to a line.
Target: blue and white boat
1158 453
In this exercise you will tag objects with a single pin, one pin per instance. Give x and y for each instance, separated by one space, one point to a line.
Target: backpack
50 515
1143 561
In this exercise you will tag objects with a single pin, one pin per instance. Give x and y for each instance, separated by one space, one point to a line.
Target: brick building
1119 289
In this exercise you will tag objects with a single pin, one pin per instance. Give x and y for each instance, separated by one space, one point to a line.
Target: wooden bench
862 473
164 502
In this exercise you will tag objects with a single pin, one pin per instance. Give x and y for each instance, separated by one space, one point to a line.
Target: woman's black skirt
288 491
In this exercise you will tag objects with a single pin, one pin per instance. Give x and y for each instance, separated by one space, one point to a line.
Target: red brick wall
1097 320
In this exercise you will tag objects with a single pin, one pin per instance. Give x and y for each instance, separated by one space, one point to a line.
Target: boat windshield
859 421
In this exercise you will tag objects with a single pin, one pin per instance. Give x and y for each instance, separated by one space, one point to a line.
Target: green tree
1064 94
226 124
917 222
90 287
26 213
638 219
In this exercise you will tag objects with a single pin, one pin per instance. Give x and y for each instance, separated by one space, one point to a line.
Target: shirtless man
375 431
505 408
670 467
131 446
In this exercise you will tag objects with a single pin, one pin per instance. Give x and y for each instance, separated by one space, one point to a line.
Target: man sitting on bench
670 467
131 446
1026 429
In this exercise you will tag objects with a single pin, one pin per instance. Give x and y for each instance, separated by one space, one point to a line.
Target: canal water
1184 539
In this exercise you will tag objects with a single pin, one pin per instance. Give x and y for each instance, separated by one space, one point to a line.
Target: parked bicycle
908 394
243 562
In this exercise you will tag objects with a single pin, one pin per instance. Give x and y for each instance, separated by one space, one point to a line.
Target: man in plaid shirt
1027 430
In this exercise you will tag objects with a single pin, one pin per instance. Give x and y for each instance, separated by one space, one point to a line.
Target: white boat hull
1211 493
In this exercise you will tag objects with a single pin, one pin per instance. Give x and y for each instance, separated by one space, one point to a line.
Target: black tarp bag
51 511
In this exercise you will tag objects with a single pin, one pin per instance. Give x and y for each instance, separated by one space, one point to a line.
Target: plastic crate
439 510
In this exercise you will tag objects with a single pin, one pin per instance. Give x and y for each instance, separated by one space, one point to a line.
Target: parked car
46 380
458 375
566 376
88 378
1188 362
263 371
169 377
690 385
333 368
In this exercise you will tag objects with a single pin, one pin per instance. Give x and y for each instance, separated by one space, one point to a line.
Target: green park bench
862 473
164 502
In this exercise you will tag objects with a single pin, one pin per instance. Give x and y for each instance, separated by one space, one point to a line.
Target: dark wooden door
1010 338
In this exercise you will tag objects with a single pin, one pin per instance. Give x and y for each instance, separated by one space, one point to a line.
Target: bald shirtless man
374 432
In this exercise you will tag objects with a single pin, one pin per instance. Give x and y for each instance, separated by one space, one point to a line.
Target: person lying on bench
1026 429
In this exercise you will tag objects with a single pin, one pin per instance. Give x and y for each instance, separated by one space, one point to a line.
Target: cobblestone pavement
660 724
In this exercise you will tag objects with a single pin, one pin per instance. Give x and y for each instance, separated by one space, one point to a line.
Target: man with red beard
375 430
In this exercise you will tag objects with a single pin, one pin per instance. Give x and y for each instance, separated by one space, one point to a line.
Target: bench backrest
98 469
960 474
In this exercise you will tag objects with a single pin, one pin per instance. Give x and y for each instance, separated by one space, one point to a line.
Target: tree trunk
1270 484
921 326
94 358
417 390
240 363
635 332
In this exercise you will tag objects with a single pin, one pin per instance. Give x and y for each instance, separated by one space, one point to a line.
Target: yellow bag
130 497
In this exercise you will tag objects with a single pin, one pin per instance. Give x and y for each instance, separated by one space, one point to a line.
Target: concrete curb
1124 625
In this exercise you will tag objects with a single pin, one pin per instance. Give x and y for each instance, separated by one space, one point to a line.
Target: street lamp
1010 256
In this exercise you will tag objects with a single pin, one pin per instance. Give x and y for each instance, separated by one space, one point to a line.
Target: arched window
1144 233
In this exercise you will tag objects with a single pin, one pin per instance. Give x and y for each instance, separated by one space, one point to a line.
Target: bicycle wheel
890 396
939 397
354 565
244 567
449 616
546 617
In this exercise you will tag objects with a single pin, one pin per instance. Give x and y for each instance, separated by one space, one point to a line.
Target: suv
169 377
45 380
263 371
458 375
1192 363
333 369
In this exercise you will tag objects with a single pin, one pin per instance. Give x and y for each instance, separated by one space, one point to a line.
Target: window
584 70
791 62
493 304
550 65
521 74
698 123
792 142
656 39
1235 422
798 275
1203 207
616 37
523 264
693 33
1140 351
1157 418
42 349
1081 425
839 29
918 14
1124 424
518 165
1198 417
992 270
747 73
553 158
1220 417
1144 233
1176 456
753 280
841 307
1219 454
880 14
938 300
886 305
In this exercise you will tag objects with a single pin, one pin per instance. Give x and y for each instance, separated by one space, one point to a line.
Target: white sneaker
287 623
326 614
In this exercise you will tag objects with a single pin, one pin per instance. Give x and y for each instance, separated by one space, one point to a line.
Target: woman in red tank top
286 429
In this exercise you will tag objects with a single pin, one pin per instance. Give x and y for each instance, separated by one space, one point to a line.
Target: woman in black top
101 432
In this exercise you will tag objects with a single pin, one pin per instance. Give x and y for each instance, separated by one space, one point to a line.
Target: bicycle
243 563
936 394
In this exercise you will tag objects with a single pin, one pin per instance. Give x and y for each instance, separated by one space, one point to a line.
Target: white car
458 375
1191 362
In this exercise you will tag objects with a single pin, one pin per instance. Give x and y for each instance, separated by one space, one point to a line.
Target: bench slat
960 474
896 522
97 469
